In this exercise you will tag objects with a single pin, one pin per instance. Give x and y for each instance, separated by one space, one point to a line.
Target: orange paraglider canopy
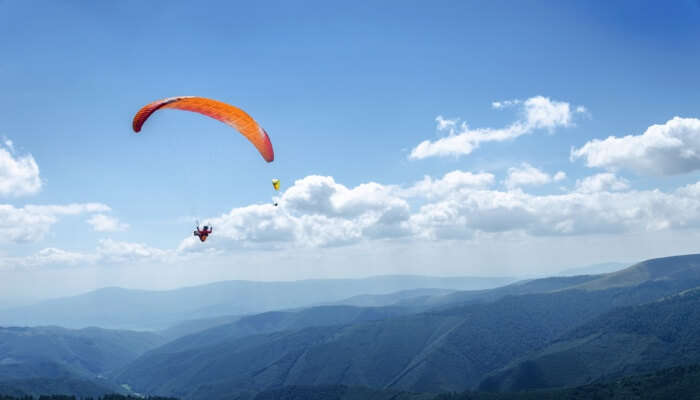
223 112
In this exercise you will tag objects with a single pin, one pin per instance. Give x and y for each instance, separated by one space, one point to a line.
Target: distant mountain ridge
595 269
114 307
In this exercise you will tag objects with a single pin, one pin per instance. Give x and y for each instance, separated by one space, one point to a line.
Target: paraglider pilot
203 233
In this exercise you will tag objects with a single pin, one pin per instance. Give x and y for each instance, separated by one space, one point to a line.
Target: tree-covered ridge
625 341
65 397
681 382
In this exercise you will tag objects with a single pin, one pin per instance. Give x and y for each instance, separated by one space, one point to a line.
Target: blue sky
347 91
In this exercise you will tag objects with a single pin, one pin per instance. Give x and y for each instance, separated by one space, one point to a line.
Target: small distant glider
276 186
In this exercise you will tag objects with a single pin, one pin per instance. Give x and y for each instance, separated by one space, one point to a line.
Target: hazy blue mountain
595 269
628 340
116 307
542 285
52 351
674 268
192 326
404 296
667 268
448 348
55 360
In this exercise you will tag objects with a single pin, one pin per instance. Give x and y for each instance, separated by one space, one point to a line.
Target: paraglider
276 186
226 113
203 234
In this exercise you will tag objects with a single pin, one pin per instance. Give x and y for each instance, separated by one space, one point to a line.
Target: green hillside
625 341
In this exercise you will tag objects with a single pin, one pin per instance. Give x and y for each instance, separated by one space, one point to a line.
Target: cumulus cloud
537 113
452 181
666 149
318 211
599 205
602 182
32 222
19 175
105 223
526 174
114 251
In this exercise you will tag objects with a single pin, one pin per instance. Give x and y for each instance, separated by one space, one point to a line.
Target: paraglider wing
223 112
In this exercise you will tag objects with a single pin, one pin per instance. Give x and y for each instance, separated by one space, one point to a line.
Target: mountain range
545 335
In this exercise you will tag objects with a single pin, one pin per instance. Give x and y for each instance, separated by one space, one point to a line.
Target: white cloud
54 256
317 211
543 113
592 209
108 252
105 223
19 175
526 174
537 113
31 222
559 176
113 251
444 124
452 181
602 182
505 103
668 149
